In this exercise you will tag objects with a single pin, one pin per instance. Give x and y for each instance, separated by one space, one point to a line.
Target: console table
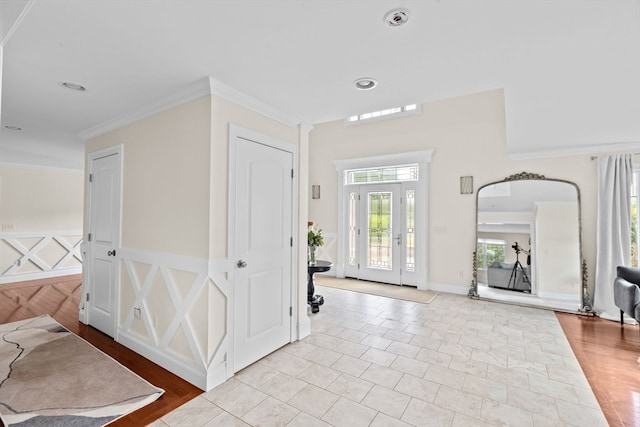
315 301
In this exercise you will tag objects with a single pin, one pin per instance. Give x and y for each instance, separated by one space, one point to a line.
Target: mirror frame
585 298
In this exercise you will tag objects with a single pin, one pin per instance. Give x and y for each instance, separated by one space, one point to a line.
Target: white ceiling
570 68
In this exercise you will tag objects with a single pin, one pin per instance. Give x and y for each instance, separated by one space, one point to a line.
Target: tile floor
379 362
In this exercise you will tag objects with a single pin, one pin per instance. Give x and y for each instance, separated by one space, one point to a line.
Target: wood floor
60 298
608 354
606 351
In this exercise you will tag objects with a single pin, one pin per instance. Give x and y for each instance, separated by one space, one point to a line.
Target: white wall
556 231
36 199
165 206
468 137
37 203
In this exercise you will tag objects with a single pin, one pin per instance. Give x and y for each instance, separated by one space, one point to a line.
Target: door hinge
291 173
90 177
290 311
89 237
291 241
87 297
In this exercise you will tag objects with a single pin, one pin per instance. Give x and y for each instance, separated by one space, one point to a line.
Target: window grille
384 174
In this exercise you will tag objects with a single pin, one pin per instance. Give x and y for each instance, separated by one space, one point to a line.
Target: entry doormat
51 377
406 293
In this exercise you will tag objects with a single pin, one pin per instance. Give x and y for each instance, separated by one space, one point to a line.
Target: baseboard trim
176 366
40 275
447 288
559 297
216 375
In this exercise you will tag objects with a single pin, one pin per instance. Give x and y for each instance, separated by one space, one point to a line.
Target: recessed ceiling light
12 127
396 17
74 86
365 83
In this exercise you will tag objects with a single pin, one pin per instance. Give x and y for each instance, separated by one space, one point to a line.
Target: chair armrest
626 296
630 274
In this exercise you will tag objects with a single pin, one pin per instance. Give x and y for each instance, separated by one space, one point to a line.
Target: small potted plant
314 240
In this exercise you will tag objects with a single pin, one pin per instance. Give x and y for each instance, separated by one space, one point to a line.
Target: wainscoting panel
328 251
173 311
39 255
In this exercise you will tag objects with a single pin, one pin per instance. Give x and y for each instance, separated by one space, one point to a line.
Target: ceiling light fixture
12 127
365 83
396 17
74 86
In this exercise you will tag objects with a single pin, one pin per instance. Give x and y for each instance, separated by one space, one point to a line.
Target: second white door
104 232
263 250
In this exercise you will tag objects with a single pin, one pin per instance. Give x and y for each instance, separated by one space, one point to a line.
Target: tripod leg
513 277
525 278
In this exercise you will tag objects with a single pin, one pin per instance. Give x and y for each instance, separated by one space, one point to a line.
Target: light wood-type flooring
609 356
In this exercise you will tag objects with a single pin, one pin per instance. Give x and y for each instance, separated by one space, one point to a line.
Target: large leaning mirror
529 244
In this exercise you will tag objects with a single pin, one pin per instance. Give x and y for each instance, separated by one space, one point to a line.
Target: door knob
112 253
399 239
241 264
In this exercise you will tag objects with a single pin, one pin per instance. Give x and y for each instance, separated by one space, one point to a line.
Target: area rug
406 293
51 377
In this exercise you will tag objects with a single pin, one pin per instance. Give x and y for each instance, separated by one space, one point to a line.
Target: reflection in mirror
528 242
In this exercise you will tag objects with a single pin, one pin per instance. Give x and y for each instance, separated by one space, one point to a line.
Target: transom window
383 174
383 114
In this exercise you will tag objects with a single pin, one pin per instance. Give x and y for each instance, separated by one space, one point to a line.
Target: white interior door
104 229
263 251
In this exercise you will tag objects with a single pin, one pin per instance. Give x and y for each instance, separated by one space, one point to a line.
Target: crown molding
40 167
191 92
229 93
203 87
582 150
14 26
305 127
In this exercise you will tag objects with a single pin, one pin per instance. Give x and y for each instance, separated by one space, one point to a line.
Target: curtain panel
613 229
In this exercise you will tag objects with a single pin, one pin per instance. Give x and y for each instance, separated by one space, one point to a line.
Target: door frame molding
422 158
235 132
84 315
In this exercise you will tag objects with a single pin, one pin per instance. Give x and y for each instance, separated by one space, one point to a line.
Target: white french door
381 232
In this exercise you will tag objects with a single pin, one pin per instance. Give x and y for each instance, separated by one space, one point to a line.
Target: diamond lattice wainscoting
173 311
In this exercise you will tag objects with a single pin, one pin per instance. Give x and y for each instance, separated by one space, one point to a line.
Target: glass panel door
381 234
379 230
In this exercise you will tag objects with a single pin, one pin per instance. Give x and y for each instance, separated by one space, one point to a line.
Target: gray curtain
613 229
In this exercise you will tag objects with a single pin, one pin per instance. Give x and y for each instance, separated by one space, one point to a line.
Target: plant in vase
314 240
